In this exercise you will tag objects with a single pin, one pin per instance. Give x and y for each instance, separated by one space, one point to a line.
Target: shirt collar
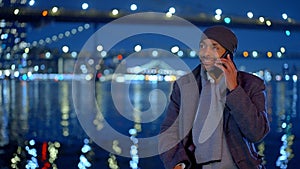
209 78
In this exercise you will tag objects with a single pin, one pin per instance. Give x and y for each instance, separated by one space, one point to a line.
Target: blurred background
40 47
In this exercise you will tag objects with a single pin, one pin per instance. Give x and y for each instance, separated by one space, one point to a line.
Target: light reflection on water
287 98
43 111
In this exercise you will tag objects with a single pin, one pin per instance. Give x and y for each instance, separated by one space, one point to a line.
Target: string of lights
26 14
60 14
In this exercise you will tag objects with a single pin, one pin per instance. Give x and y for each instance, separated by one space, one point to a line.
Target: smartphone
226 53
225 56
217 71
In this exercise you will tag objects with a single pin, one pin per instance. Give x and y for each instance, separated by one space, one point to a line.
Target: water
39 124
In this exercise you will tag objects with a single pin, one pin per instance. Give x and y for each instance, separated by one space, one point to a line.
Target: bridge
30 15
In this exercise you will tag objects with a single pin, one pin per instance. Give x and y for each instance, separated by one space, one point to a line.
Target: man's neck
213 78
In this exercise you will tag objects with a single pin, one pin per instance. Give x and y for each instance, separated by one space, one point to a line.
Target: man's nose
205 52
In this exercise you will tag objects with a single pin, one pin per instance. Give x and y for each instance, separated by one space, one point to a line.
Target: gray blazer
245 121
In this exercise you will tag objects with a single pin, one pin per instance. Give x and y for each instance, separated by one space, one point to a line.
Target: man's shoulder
247 79
248 76
190 77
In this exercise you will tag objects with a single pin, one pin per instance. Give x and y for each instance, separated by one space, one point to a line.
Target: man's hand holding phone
226 64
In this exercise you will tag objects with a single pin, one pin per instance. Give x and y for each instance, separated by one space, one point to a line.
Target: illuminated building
12 35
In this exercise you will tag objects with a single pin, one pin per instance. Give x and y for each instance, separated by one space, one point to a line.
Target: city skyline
70 36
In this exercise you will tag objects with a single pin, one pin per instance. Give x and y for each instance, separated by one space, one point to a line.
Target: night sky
249 39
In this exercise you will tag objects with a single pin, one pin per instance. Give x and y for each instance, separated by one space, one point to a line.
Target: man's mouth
208 63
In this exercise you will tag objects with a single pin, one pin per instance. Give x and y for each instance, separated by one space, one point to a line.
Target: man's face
210 51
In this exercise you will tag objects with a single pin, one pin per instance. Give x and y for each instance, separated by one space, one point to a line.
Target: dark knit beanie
223 35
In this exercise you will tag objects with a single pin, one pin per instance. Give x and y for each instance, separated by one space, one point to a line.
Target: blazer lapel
189 105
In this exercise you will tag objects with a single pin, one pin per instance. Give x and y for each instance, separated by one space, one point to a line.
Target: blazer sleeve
247 104
171 148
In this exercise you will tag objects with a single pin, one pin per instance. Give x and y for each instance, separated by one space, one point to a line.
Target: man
216 113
